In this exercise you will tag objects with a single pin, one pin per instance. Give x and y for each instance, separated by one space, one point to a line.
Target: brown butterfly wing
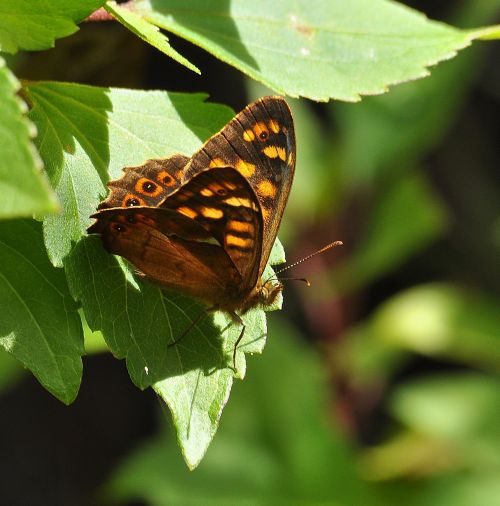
192 242
146 184
168 248
260 143
225 205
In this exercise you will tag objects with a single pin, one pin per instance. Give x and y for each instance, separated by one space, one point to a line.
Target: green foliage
275 446
334 50
85 135
25 190
147 32
34 24
40 325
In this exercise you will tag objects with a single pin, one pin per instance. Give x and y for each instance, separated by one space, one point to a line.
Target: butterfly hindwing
146 184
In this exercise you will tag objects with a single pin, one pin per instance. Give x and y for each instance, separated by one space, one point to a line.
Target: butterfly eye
263 136
132 202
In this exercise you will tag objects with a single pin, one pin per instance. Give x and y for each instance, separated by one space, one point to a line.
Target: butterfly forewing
260 143
224 204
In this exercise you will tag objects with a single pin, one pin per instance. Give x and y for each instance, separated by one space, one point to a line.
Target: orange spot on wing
212 213
246 169
131 200
248 136
187 211
261 131
240 226
166 178
206 192
145 186
240 242
274 126
266 188
217 162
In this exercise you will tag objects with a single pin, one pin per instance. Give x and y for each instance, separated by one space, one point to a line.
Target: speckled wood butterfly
205 225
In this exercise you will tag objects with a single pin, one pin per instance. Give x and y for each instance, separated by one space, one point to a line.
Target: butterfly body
205 225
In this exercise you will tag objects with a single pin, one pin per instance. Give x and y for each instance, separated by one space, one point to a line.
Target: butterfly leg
190 327
236 318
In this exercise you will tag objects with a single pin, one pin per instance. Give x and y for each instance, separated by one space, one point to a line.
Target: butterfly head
264 294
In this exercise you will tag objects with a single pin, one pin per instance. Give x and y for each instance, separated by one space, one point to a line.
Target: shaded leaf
147 32
23 187
335 50
40 325
35 24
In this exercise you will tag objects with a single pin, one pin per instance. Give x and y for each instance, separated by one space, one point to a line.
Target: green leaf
35 24
147 32
335 50
40 325
86 135
138 322
274 446
23 187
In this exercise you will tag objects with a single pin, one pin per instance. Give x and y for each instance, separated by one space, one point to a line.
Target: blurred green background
379 383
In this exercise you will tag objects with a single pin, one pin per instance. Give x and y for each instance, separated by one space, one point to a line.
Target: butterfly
206 225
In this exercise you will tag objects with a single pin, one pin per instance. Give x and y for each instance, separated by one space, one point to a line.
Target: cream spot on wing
281 153
271 151
239 201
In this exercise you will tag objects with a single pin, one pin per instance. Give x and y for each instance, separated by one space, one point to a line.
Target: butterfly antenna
322 250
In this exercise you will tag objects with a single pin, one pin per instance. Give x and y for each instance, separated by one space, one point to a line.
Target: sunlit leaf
35 24
333 50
